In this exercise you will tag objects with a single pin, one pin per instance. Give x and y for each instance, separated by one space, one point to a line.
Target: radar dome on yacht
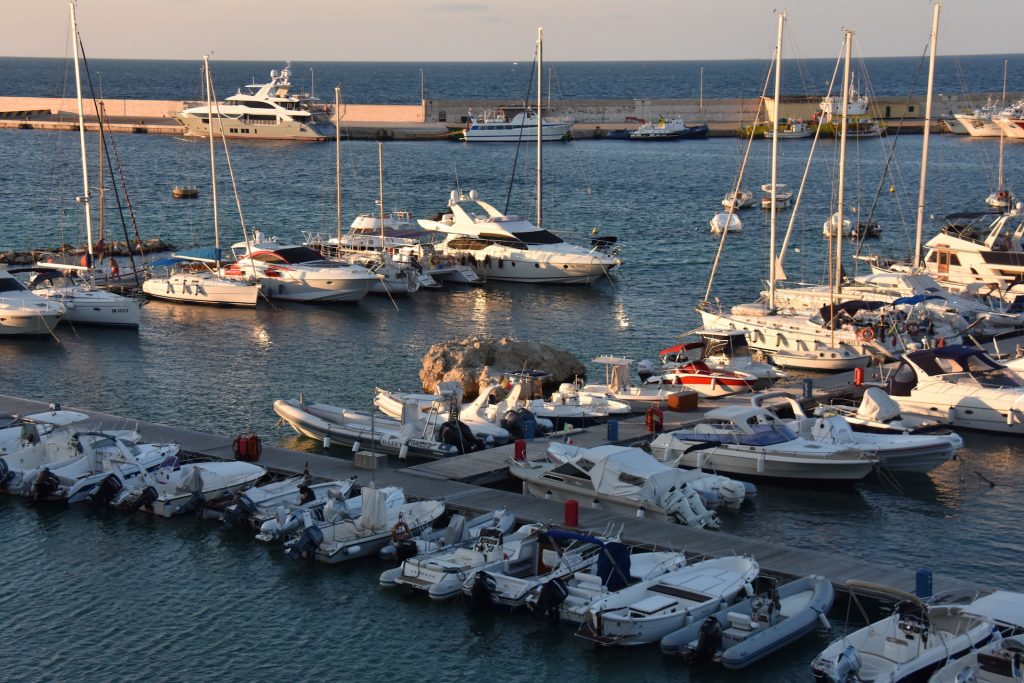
472 194
453 197
274 73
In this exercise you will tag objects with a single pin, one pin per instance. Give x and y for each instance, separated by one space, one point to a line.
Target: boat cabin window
256 104
540 237
631 479
474 210
289 255
9 284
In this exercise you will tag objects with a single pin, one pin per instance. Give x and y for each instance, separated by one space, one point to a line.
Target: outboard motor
242 510
458 434
144 499
645 369
482 594
709 640
45 485
107 489
310 539
193 504
515 422
552 595
847 665
405 549
5 475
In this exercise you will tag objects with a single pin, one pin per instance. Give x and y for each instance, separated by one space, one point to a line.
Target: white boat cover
1005 607
375 511
632 473
192 482
878 406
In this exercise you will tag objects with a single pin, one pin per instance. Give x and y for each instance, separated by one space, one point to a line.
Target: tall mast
84 199
837 226
337 156
540 120
380 197
927 129
213 164
100 112
1002 134
775 164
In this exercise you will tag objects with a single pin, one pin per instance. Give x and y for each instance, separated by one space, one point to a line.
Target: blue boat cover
916 299
207 253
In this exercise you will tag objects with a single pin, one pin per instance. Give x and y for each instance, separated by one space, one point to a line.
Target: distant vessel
267 112
674 129
497 127
858 123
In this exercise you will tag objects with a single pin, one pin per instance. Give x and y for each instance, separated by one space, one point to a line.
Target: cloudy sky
488 30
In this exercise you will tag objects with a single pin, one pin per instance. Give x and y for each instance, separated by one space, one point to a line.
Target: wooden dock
457 481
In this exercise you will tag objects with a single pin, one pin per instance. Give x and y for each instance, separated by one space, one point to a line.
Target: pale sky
489 30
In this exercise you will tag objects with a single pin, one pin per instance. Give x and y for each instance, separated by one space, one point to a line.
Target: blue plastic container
613 430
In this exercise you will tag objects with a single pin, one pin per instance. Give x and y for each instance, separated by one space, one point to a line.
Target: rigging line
519 142
739 182
227 155
113 181
888 161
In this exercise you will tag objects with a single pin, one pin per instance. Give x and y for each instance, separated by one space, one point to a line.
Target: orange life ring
866 334
400 531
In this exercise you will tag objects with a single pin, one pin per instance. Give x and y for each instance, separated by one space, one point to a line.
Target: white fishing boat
960 386
415 435
752 442
668 129
791 129
563 409
495 126
296 273
783 196
266 112
441 575
558 554
170 491
619 386
979 123
724 222
30 442
510 248
475 414
739 199
321 504
740 635
23 312
648 611
621 480
913 641
720 351
260 504
896 451
632 472
999 661
349 538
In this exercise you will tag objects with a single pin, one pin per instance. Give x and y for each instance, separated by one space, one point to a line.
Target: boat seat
741 622
651 605
588 579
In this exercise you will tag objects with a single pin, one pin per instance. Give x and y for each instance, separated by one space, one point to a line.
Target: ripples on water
95 596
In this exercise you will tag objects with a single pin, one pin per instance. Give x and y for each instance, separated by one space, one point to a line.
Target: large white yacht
297 273
497 127
511 248
24 313
266 112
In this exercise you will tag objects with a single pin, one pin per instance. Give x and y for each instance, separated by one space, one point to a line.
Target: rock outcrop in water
68 253
468 361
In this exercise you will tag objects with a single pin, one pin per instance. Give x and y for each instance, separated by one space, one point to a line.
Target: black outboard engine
311 538
481 595
709 640
516 422
144 499
405 549
45 485
5 475
105 492
242 510
552 595
458 434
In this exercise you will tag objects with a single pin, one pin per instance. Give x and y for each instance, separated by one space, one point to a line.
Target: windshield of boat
539 237
289 255
9 284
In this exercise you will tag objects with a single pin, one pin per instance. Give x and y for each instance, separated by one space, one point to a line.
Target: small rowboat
185 192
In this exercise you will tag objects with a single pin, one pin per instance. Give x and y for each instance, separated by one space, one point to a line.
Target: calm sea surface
94 596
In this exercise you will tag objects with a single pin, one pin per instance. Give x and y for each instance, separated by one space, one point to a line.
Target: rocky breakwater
477 359
67 252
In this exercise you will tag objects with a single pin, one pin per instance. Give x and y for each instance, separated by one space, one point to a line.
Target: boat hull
193 289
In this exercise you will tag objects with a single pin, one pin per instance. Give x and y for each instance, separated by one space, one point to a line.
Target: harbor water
90 595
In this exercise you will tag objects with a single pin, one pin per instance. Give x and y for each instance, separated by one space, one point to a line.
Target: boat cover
878 406
375 512
1005 607
202 254
632 473
916 299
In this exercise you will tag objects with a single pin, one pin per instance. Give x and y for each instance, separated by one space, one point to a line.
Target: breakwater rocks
471 360
24 258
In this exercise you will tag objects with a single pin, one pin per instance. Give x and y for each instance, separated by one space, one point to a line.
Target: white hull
88 306
551 132
312 291
978 126
1011 126
236 129
18 320
202 289
507 265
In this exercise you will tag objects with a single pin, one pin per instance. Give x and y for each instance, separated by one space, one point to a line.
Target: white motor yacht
741 199
296 273
511 248
266 112
23 312
753 442
497 127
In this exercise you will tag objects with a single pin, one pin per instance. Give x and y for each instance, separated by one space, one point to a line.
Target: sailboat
511 248
841 336
194 276
1001 198
73 285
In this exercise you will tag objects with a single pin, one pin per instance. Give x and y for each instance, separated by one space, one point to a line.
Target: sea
93 596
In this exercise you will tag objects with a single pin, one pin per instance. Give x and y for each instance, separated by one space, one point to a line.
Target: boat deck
456 480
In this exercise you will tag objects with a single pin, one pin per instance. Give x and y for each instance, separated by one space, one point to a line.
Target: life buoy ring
866 334
400 531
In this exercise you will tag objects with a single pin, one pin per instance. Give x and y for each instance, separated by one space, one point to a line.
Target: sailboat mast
540 122
775 164
380 197
927 130
337 156
837 226
99 174
84 199
213 163
1002 134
